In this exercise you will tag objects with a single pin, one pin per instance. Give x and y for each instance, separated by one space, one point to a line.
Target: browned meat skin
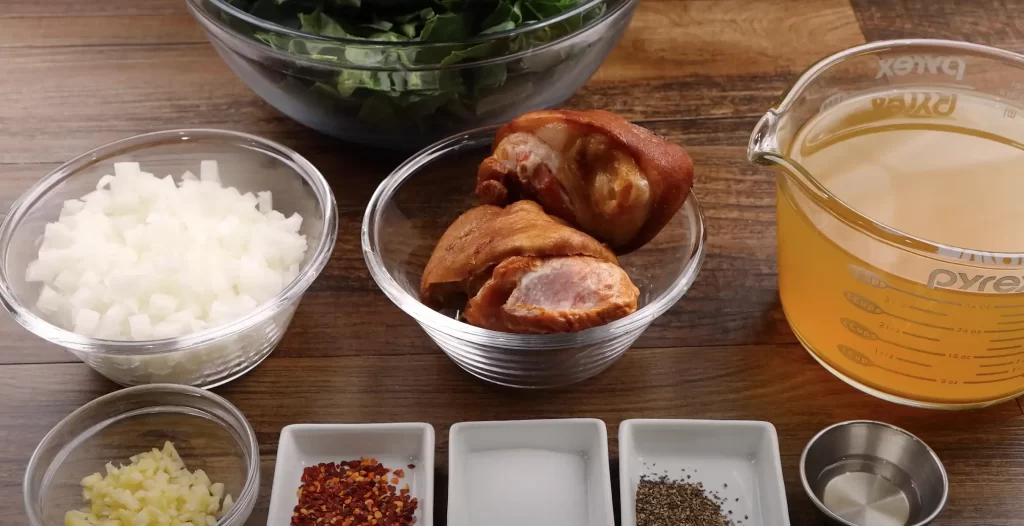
550 295
487 235
612 179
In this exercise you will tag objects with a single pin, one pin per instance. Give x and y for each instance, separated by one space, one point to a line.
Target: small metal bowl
864 473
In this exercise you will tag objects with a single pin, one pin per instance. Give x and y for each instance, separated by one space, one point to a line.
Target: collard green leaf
477 51
379 109
449 27
379 25
391 85
501 14
409 30
489 77
318 23
269 10
504 26
454 5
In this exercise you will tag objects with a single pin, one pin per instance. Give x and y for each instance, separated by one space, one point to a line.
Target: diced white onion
208 171
86 321
266 202
141 257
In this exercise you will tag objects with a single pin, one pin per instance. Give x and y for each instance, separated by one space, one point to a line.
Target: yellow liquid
943 168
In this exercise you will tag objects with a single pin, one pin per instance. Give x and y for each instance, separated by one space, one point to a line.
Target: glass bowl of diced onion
200 316
142 454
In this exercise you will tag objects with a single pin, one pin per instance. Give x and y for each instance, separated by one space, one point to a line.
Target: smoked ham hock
525 271
612 179
548 295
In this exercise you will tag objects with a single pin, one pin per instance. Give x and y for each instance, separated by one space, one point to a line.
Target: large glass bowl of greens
405 73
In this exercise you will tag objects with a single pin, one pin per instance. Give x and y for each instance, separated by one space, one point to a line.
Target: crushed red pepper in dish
354 493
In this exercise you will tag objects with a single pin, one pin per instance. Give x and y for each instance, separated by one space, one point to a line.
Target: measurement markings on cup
1007 348
871 307
921 336
1002 331
1014 377
874 280
864 332
1001 364
912 362
1015 339
990 357
937 313
860 358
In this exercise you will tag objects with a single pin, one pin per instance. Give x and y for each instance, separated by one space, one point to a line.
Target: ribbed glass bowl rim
50 332
433 320
235 12
250 489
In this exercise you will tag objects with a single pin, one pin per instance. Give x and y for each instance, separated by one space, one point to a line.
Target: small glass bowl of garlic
151 454
168 257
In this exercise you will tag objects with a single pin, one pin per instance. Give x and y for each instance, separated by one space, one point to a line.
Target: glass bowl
208 432
405 95
203 359
420 199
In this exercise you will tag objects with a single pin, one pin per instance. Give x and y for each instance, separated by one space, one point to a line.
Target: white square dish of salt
536 472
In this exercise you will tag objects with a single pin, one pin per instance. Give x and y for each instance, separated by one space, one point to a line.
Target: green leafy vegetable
391 85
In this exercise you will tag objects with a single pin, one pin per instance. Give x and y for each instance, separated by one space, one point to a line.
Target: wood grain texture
79 74
123 90
71 9
99 30
730 37
780 384
992 22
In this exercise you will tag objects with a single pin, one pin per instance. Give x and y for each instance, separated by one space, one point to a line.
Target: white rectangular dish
529 472
738 460
394 445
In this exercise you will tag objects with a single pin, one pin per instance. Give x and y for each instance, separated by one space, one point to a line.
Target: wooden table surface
76 74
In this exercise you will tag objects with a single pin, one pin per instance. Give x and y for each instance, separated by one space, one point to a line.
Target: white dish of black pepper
700 473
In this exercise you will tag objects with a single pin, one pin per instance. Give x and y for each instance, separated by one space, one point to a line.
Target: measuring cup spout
763 145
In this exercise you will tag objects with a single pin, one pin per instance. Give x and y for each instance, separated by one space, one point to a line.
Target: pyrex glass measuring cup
901 218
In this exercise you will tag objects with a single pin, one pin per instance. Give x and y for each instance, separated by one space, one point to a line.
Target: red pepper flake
399 473
352 493
411 466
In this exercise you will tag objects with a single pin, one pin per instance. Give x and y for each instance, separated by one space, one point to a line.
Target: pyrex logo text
916 104
906 64
947 279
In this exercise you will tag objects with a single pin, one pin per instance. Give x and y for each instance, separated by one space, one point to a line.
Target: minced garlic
155 489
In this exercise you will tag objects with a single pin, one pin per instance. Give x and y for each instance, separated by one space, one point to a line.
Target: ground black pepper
666 502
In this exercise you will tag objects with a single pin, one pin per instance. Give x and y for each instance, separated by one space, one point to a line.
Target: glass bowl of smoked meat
536 253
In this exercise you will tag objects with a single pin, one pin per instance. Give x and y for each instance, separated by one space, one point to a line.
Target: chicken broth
936 166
